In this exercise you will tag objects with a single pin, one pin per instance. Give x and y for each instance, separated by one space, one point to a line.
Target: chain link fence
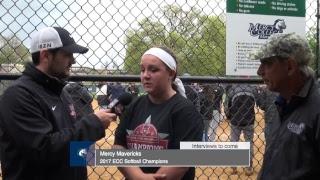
118 32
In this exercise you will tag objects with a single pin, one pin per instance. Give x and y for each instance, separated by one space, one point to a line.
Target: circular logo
82 153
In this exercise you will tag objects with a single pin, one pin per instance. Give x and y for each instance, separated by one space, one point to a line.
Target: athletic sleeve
22 118
120 134
187 125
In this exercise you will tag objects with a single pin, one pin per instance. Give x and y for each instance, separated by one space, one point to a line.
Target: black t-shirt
150 126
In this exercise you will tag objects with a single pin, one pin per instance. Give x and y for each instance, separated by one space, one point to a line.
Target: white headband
180 87
167 59
163 56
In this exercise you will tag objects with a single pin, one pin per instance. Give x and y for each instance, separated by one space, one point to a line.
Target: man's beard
59 74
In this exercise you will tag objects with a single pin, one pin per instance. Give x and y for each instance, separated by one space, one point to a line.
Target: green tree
311 37
12 51
197 40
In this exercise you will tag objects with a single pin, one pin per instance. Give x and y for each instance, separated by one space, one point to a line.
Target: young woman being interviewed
161 118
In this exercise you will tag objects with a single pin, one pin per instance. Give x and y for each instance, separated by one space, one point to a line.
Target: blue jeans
248 132
210 127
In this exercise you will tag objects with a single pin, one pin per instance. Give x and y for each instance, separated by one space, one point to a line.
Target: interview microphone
117 104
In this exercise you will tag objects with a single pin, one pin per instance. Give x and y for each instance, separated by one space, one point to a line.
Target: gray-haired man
294 152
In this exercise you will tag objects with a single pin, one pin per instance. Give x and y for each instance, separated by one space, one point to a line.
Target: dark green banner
268 7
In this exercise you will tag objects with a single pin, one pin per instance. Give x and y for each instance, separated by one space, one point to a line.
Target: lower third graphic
82 153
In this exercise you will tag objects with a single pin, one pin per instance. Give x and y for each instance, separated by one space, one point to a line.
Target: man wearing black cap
37 118
294 152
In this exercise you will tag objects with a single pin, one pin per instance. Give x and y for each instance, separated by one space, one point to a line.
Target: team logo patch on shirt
296 128
146 137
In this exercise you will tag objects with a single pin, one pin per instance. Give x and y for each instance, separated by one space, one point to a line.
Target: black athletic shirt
150 126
